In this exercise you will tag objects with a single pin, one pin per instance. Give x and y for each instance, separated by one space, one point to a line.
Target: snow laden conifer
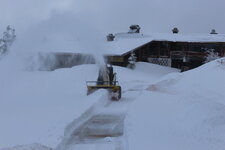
211 55
132 60
7 40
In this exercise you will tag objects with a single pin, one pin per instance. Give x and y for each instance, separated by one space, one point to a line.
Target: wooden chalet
174 50
183 51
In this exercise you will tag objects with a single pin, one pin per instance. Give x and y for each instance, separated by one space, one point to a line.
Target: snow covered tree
211 55
6 41
132 60
2 47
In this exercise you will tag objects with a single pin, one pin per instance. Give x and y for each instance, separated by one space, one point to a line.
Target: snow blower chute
106 80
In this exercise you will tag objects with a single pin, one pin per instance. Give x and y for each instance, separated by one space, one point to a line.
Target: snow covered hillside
181 111
163 109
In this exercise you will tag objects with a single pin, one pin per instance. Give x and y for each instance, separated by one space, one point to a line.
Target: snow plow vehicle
106 80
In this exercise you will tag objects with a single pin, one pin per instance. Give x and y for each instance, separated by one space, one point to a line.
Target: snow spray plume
61 33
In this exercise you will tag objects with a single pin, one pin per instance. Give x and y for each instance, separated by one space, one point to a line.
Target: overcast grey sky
190 16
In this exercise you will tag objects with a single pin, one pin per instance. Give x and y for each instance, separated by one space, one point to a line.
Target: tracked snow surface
160 109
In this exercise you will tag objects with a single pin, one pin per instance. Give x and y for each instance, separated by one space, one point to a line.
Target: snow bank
37 106
74 127
143 75
181 111
34 146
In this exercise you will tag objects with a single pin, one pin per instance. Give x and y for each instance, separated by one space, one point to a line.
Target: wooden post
158 49
221 54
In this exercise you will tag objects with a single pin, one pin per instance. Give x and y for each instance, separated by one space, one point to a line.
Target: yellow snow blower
106 80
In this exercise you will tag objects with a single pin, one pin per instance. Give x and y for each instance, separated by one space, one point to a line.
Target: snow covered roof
125 42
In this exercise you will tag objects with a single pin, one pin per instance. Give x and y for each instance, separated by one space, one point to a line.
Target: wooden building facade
177 54
182 55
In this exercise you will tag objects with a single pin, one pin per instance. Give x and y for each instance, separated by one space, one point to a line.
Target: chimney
213 31
134 29
110 37
175 30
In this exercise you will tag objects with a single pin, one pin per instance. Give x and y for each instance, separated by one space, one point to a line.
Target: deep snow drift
181 111
166 109
37 106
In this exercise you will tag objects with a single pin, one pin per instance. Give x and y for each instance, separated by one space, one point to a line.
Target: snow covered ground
181 111
164 109
37 106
